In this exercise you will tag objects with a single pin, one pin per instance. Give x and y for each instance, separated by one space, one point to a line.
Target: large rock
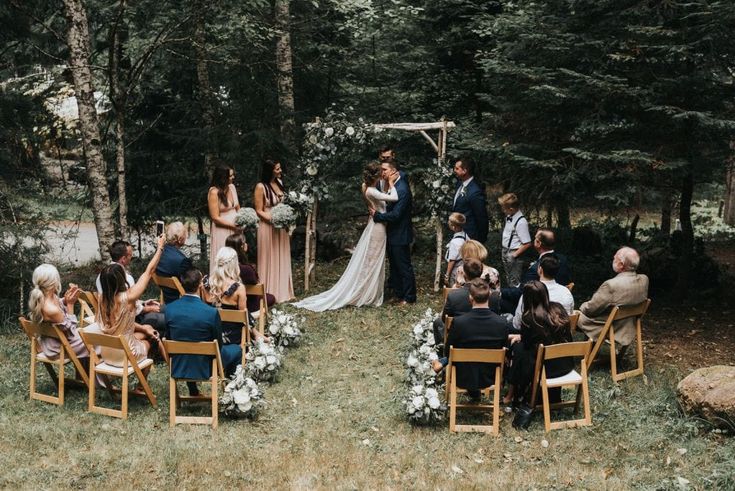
710 393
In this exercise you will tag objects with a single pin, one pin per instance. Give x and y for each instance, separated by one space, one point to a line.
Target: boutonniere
463 191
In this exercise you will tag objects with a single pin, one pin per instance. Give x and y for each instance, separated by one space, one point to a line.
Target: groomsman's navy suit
397 218
173 262
472 204
563 277
190 319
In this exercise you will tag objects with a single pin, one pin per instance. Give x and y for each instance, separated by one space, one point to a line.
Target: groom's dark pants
402 280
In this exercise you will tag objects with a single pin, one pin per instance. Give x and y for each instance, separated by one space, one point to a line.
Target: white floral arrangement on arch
283 216
247 218
300 202
422 401
242 397
283 328
263 361
440 183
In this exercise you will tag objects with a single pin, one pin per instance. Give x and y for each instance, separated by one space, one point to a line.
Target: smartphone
159 228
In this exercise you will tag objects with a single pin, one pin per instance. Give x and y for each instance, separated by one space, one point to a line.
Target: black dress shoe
523 417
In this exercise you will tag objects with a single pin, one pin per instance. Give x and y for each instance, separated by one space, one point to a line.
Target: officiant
469 200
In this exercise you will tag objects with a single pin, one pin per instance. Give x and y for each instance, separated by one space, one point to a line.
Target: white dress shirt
557 293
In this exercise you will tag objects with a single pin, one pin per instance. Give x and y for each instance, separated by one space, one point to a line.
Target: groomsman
469 200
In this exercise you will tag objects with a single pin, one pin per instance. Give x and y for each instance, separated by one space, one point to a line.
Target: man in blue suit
400 232
469 200
190 319
173 262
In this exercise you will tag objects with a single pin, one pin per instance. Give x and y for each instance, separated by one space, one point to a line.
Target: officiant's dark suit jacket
190 319
173 262
479 329
473 205
397 216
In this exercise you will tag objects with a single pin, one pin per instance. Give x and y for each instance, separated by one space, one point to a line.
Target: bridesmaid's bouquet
247 218
242 397
299 202
283 216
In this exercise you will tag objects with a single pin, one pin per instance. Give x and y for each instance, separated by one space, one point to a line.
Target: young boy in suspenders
516 238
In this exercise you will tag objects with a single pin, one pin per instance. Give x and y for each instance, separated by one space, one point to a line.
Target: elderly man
626 288
469 200
173 262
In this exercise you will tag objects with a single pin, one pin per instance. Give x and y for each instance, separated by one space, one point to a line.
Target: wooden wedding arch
440 147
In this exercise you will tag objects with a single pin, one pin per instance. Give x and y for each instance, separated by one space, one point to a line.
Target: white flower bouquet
283 216
263 361
299 201
424 405
283 328
247 218
242 397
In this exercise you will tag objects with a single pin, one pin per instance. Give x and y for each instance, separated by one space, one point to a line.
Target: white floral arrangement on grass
247 218
283 216
242 397
283 328
300 202
263 361
422 401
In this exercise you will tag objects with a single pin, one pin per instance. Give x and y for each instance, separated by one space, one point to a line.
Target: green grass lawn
335 420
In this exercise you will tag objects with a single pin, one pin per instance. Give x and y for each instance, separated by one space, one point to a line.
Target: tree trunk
206 99
687 236
666 212
729 210
284 74
79 60
563 215
118 95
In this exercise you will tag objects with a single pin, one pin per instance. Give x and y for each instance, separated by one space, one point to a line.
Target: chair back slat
445 292
564 350
91 299
465 355
33 329
257 289
574 320
638 310
228 315
190 347
171 282
106 340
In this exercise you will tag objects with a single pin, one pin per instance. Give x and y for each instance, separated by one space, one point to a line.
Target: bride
362 281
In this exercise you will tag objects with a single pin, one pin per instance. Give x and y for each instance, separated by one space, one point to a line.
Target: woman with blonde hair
223 290
473 249
46 306
116 315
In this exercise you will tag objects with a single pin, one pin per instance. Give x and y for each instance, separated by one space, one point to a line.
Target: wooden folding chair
170 282
445 293
130 366
573 378
447 326
66 355
262 313
88 307
208 348
240 316
574 320
608 333
491 356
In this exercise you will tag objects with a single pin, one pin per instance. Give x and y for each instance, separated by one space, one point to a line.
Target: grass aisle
335 420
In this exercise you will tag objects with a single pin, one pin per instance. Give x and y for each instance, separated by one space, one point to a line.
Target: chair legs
616 376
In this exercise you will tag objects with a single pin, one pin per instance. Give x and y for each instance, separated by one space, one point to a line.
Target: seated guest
173 262
478 328
626 288
458 301
248 273
148 312
544 242
542 322
46 306
116 315
190 319
548 269
224 290
475 250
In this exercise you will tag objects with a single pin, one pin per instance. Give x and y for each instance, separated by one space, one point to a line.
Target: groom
400 232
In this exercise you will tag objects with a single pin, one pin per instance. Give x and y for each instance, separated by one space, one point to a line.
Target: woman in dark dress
248 273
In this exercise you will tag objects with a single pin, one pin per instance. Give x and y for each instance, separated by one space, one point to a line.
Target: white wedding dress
362 282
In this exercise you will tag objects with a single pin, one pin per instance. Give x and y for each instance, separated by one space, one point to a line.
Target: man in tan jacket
626 288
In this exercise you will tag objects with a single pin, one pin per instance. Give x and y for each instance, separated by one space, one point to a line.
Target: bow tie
508 219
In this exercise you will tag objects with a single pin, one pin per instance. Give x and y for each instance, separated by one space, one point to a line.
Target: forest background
612 120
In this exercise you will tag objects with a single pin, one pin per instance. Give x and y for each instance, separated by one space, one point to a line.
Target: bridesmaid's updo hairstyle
221 180
371 173
45 278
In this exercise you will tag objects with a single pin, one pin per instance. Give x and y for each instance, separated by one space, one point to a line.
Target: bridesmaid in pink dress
274 245
223 205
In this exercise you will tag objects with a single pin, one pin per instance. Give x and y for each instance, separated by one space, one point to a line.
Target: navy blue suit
563 277
173 262
472 204
400 235
190 319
